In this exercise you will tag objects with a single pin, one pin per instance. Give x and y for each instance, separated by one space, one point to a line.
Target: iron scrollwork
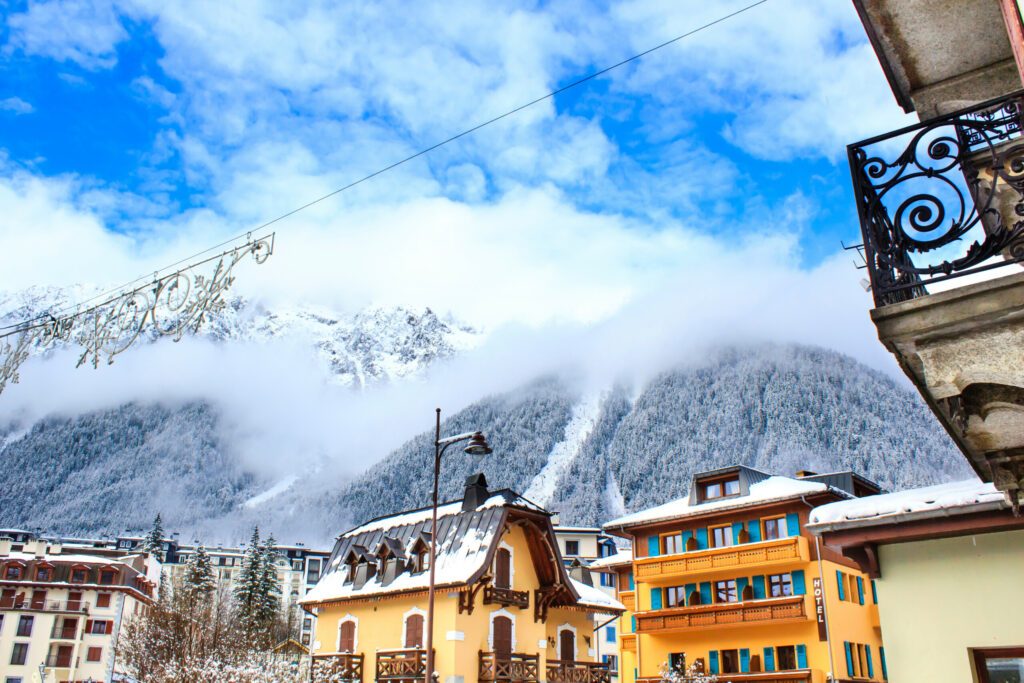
168 306
955 174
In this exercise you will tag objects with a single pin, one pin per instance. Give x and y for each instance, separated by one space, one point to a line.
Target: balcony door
503 569
502 637
63 659
347 637
414 631
567 646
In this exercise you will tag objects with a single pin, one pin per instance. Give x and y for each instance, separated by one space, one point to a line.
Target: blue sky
142 131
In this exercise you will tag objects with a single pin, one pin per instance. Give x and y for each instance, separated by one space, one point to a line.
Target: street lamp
478 447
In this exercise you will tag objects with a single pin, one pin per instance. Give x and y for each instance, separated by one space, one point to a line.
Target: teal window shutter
741 583
705 593
799 585
754 529
839 582
655 598
633 620
631 585
737 527
860 589
881 657
769 659
690 587
874 592
792 524
702 539
687 535
871 664
654 545
713 661
759 593
801 656
744 661
849 658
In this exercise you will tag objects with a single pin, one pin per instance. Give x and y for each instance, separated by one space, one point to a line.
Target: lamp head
478 445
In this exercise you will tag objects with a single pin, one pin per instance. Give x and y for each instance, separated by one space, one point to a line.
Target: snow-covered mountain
589 454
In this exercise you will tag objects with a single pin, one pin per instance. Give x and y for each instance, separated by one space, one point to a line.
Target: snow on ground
581 424
276 489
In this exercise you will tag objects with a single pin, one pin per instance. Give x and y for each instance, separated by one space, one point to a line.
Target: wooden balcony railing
402 666
734 556
518 667
628 600
506 597
725 614
338 668
628 643
562 671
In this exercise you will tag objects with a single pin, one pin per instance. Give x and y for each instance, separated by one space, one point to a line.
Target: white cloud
84 32
16 105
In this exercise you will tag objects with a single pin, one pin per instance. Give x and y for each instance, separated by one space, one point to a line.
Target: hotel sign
819 609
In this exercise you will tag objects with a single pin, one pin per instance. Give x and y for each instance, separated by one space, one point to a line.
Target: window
721 536
44 574
94 654
19 654
730 661
13 679
74 601
107 577
103 600
297 565
99 627
862 666
124 544
307 623
423 560
725 591
785 657
999 665
313 570
675 596
672 544
609 634
780 585
612 661
720 488
38 599
607 580
25 626
677 662
414 631
572 548
79 575
774 528
12 573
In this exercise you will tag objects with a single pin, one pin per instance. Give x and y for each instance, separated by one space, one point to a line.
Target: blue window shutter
759 593
633 624
874 592
690 587
860 589
840 582
744 661
687 535
705 593
654 546
655 598
799 585
610 634
881 656
801 656
849 658
713 661
741 583
769 659
792 524
631 585
702 539
871 664
737 527
754 529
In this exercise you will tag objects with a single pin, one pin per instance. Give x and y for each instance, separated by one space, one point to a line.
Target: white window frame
490 634
575 641
405 620
355 638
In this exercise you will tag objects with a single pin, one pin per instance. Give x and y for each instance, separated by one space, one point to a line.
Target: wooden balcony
516 668
506 597
724 614
749 555
402 666
628 600
340 667
561 671
628 643
760 677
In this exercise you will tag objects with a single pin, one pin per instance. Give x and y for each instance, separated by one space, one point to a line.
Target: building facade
728 582
948 563
506 605
61 612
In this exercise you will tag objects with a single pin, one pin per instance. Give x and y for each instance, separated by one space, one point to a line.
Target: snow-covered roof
595 597
769 490
498 499
958 497
620 559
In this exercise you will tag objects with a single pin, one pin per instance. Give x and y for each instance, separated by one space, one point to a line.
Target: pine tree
247 590
269 594
198 580
154 542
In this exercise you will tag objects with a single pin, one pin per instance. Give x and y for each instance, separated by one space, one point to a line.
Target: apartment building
727 581
61 612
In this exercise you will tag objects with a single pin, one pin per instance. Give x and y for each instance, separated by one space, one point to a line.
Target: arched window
503 568
502 637
567 645
414 631
347 636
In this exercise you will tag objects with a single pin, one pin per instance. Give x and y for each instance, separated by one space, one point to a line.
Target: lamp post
478 447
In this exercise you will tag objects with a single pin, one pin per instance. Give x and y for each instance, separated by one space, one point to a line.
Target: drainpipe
824 606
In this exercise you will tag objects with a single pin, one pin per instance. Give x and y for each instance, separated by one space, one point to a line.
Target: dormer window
108 577
44 573
14 572
79 575
720 488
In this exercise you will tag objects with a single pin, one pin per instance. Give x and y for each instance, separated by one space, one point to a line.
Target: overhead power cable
416 155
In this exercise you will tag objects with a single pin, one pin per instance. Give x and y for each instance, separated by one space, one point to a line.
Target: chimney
5 546
476 492
581 573
56 547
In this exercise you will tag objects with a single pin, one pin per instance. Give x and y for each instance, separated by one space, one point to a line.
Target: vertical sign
819 608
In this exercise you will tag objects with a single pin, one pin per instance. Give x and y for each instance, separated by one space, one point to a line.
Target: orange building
727 581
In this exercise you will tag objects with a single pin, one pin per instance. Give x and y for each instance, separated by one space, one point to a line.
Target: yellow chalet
506 608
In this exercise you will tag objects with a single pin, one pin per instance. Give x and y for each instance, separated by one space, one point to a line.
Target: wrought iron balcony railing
517 667
942 199
44 606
